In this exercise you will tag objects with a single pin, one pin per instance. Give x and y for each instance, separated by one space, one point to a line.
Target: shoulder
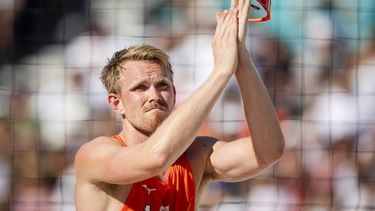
90 151
95 143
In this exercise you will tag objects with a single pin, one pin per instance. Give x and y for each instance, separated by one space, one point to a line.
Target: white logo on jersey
148 189
162 208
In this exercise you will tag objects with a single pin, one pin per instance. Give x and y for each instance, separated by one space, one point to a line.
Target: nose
154 94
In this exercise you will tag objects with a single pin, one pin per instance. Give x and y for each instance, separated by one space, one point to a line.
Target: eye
163 85
140 87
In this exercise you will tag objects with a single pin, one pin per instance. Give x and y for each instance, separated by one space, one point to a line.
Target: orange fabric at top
178 193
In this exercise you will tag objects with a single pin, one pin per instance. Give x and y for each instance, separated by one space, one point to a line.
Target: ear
116 104
174 95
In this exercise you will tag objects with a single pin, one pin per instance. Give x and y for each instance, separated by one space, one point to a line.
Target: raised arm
105 162
240 159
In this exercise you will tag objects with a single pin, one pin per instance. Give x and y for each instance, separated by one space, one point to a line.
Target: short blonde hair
112 71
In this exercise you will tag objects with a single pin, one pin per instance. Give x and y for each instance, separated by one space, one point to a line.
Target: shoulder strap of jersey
119 140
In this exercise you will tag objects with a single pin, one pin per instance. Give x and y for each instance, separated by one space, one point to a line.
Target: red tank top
178 193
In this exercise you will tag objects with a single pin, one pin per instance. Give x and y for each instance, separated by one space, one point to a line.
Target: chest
174 193
171 191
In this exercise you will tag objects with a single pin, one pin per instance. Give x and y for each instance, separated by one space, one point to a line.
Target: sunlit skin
156 136
147 95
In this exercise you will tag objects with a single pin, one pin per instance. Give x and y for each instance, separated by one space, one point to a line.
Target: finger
234 22
235 18
234 3
220 18
230 16
217 24
240 4
234 30
235 14
244 10
224 19
244 6
225 15
231 24
219 21
226 26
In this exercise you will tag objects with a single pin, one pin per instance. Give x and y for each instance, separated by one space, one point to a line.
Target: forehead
143 69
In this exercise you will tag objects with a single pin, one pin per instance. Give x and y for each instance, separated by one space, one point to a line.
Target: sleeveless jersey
178 193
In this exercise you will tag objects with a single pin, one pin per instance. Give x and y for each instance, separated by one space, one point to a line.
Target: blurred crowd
317 59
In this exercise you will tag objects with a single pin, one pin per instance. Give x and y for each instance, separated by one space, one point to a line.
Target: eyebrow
164 79
158 80
135 84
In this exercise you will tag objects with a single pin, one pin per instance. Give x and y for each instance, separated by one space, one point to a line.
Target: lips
153 106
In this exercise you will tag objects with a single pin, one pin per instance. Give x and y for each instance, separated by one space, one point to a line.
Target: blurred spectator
31 195
37 25
5 161
316 58
9 11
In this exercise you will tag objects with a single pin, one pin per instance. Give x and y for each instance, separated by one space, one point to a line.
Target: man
156 162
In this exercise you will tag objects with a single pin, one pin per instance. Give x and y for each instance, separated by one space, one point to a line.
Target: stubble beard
151 123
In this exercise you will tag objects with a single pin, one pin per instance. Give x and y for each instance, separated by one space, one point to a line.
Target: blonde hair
112 71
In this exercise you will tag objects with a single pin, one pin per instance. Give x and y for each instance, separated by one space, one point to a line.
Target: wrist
244 54
242 47
222 74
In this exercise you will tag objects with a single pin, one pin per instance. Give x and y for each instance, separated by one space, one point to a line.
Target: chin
153 123
149 128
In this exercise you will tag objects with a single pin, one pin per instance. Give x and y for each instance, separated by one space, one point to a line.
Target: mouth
155 107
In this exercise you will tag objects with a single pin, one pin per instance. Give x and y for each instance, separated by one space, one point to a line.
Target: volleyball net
317 59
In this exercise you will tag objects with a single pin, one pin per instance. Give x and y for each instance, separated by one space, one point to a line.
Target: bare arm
243 158
104 161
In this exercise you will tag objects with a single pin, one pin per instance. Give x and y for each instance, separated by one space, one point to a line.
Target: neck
132 135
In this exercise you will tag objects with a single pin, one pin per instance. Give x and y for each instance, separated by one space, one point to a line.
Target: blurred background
317 59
